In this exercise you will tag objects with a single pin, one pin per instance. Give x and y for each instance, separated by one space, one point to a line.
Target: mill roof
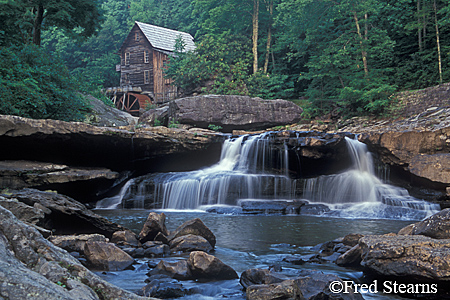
164 38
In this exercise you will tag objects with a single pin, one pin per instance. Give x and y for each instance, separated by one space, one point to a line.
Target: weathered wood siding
133 69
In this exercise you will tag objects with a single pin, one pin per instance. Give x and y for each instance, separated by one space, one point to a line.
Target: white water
359 193
251 168
245 170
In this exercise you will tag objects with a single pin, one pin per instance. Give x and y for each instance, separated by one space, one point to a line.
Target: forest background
345 56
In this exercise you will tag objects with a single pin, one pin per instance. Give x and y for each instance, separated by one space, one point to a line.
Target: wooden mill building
143 56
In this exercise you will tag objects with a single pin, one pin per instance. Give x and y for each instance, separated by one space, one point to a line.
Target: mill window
146 56
127 58
147 76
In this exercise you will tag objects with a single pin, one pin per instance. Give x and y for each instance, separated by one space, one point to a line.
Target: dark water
245 242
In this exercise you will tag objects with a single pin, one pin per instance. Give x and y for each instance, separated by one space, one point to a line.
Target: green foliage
218 65
215 127
38 86
173 123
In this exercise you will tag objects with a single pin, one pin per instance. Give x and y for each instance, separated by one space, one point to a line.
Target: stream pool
251 241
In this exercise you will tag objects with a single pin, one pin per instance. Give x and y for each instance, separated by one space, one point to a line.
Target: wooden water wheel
132 102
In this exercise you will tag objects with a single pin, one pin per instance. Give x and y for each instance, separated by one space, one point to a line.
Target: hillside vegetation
348 56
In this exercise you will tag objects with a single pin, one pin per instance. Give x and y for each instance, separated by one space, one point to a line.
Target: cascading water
246 169
242 172
359 193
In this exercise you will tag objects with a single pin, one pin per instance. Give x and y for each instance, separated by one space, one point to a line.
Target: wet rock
283 290
178 270
436 226
205 266
64 215
314 209
163 289
103 256
155 223
76 242
351 257
188 243
307 284
413 257
233 112
225 210
155 248
260 276
29 264
125 237
251 206
253 276
316 285
352 239
194 227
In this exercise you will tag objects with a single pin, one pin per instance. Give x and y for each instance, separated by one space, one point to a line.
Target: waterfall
358 192
249 167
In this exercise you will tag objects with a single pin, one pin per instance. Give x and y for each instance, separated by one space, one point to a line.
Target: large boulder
233 112
175 269
415 257
190 242
33 268
205 266
155 224
194 227
436 226
103 256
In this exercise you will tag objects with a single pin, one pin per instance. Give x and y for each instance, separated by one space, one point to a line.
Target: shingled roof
164 38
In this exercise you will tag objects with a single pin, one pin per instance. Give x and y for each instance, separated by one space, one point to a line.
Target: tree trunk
269 37
419 30
255 23
37 26
437 41
361 38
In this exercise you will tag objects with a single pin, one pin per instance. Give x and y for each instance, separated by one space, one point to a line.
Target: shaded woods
348 56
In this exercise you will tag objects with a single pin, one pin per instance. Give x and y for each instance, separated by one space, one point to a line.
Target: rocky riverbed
51 242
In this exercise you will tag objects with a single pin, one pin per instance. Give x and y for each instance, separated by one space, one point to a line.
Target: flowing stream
249 168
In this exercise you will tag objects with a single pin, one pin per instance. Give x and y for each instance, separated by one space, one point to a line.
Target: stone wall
417 101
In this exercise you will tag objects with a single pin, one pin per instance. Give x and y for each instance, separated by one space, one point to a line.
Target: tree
38 85
64 14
